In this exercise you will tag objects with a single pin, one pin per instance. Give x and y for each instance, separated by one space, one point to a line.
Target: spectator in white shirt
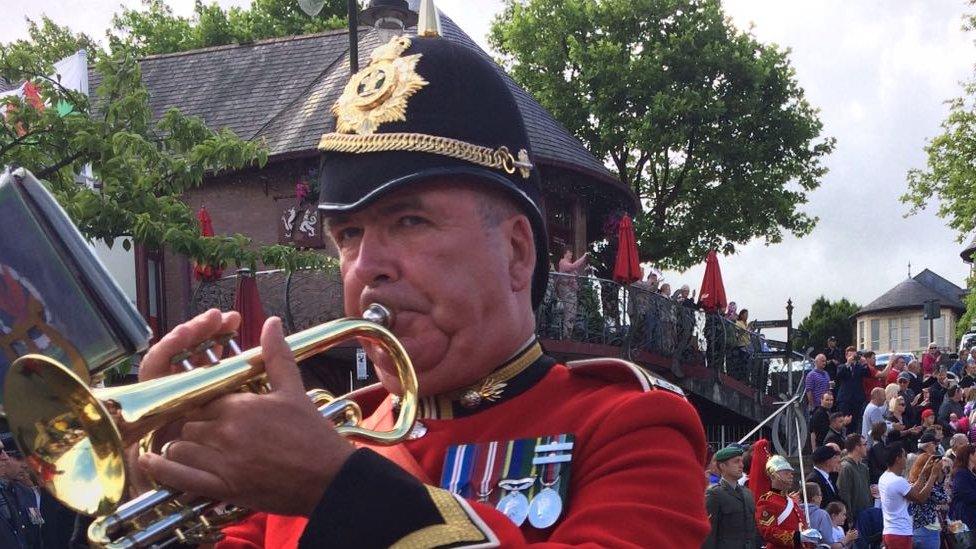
895 493
873 413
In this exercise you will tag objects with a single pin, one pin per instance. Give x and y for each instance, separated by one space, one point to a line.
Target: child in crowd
838 516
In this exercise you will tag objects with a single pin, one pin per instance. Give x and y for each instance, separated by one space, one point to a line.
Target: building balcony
711 358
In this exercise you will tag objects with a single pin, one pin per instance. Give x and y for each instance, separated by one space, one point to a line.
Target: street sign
800 333
760 324
775 343
766 355
361 371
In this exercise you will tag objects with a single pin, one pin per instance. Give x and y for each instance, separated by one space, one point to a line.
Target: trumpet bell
71 444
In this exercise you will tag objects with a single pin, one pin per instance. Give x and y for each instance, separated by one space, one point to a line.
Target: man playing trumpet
432 199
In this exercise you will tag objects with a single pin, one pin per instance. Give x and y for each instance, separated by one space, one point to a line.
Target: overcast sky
879 72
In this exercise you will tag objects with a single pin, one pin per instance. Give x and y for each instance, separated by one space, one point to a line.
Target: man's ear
521 248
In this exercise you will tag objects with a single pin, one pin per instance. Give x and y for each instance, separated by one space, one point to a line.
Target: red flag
32 96
711 298
759 482
204 271
248 303
627 267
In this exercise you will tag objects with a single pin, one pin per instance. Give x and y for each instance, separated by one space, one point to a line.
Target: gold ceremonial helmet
776 464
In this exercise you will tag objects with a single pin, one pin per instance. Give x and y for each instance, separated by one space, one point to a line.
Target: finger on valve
184 340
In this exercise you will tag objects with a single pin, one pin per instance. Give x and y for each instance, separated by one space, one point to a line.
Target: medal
515 505
546 506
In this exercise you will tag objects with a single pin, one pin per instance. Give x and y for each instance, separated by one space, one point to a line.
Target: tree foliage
144 165
828 318
705 123
949 177
968 319
155 29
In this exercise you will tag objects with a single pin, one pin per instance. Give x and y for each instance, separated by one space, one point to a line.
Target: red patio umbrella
204 271
248 303
712 294
627 267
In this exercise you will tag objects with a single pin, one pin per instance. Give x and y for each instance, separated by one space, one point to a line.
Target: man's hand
269 452
158 363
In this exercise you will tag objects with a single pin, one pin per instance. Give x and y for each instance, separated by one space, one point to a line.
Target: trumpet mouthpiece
378 314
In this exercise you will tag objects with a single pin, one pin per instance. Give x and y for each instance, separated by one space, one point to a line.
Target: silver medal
545 508
515 506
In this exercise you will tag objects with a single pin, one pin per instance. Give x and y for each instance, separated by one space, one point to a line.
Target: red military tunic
636 477
777 525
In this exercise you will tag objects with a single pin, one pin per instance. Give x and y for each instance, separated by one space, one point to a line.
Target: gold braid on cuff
498 159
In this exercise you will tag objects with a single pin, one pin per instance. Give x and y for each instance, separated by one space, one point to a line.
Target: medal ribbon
492 469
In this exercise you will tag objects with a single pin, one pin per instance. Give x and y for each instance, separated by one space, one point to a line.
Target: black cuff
372 502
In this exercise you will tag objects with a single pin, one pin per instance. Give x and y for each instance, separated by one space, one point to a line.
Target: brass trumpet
75 437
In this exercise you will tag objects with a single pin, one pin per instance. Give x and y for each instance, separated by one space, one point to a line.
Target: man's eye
346 233
412 221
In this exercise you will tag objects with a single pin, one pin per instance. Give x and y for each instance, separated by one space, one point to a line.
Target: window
893 333
940 331
906 333
923 332
875 334
860 334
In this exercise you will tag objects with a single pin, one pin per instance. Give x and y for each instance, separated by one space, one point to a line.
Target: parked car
881 359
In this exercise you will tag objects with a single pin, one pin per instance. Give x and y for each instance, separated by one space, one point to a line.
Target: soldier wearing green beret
731 508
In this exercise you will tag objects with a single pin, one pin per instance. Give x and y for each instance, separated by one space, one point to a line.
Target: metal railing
584 309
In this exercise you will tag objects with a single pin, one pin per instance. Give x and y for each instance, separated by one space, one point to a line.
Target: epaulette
615 369
768 495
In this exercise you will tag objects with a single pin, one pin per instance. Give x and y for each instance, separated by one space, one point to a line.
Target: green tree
968 319
144 165
827 319
154 29
705 123
949 177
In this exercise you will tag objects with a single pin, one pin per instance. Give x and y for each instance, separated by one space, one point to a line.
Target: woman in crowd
925 517
963 506
891 391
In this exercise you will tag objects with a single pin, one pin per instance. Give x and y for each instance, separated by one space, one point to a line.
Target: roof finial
430 22
909 268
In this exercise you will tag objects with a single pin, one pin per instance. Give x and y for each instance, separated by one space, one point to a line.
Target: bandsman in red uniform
778 515
432 196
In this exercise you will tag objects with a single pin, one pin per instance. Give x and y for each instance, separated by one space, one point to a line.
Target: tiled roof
912 293
241 87
282 90
967 254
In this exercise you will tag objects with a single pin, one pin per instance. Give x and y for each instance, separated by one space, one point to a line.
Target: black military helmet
427 107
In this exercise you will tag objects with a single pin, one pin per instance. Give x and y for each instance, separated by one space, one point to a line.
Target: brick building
280 91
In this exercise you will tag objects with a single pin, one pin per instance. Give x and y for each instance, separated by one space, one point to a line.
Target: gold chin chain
498 159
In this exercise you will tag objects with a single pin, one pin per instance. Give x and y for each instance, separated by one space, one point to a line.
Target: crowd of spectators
894 446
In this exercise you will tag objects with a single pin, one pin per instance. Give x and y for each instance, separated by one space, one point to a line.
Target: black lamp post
389 17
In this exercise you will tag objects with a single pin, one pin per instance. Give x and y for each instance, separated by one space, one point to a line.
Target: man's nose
376 260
